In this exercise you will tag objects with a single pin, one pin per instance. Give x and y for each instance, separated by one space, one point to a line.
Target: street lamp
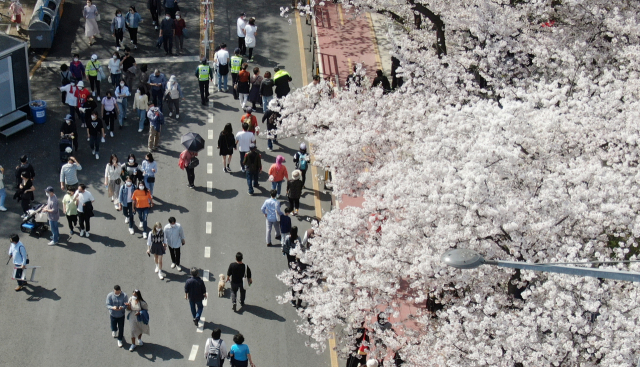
469 259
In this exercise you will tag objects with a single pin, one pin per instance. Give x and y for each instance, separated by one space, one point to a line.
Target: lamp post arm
628 276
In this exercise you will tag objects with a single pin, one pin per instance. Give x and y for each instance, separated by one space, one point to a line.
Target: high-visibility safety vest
279 74
203 72
236 63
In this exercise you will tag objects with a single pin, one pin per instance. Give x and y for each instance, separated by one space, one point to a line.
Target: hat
23 158
68 117
49 189
172 78
296 174
252 146
94 57
178 13
248 108
81 84
236 51
303 147
372 363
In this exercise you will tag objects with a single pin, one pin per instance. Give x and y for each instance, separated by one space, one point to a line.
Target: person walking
69 174
244 139
294 191
149 170
122 93
95 130
289 243
241 23
215 349
277 174
76 68
171 6
281 79
70 210
93 71
82 96
250 32
204 75
239 352
84 202
65 79
68 128
116 304
235 274
226 145
167 32
195 291
266 91
138 317
174 240
155 7
158 82
243 85
188 161
173 95
91 30
129 67
285 223
250 119
3 191
157 247
125 202
132 20
112 179
53 215
301 160
88 107
236 65
24 166
271 118
141 106
156 120
253 163
254 92
18 253
109 111
131 169
117 30
70 98
16 12
271 210
142 202
180 25
221 59
24 193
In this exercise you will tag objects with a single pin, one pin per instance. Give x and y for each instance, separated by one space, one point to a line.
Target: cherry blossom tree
515 134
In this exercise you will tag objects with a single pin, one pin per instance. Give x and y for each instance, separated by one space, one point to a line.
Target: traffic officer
281 79
236 63
203 73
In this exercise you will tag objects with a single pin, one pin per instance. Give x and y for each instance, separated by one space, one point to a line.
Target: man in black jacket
24 167
253 163
380 79
235 273
195 291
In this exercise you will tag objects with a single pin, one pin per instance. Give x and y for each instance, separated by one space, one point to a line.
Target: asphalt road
62 320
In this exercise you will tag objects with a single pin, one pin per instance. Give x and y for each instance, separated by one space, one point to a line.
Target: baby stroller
35 221
66 149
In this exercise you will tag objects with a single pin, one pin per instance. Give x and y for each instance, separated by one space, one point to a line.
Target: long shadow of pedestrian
262 313
163 206
173 277
36 293
151 352
170 153
79 247
109 242
219 194
99 214
224 107
225 329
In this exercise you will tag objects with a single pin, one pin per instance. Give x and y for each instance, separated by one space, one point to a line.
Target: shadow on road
261 312
223 328
151 352
36 293
79 247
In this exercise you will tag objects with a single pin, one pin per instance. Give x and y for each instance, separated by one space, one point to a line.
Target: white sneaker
86 234
3 209
88 138
170 114
139 130
178 268
132 347
140 343
116 206
113 334
119 342
177 116
97 156
144 235
93 151
157 269
140 225
52 243
173 265
126 220
117 48
130 230
98 98
111 133
81 232
160 275
131 41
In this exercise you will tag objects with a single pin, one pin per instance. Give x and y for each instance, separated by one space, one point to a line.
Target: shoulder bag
245 280
194 162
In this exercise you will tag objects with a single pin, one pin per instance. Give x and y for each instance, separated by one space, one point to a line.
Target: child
285 223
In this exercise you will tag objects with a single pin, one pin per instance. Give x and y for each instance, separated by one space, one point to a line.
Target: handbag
194 162
118 181
98 17
41 217
245 280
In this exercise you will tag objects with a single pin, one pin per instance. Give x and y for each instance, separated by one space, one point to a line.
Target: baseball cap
81 84
68 117
50 189
94 57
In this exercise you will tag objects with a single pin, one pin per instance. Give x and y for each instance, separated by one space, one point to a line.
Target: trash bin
38 111
44 23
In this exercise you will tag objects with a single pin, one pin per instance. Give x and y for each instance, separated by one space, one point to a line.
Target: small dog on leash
221 284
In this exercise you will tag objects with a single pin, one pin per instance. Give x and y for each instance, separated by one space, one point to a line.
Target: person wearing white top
221 59
111 175
244 139
216 343
250 32
241 23
122 92
114 69
82 196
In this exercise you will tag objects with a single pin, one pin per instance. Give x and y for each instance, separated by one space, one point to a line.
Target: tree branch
441 45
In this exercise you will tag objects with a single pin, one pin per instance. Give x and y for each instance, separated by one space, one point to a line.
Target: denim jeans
265 103
54 230
198 313
252 180
242 154
149 185
277 186
142 114
127 210
3 196
142 216
156 97
117 324
122 108
271 225
222 81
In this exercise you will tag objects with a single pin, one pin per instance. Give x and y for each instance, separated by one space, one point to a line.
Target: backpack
214 359
303 162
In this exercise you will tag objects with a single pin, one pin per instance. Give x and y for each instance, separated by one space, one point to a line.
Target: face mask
81 88
131 160
167 18
115 57
119 15
141 187
173 226
75 59
138 91
68 122
126 53
129 183
122 84
94 118
177 17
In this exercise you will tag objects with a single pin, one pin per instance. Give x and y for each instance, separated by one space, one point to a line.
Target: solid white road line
209 186
209 168
200 325
210 135
207 252
205 275
210 151
194 352
208 227
209 206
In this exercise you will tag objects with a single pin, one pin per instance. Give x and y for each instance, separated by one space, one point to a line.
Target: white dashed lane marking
194 352
210 151
205 275
207 252
208 227
210 135
209 168
209 186
209 206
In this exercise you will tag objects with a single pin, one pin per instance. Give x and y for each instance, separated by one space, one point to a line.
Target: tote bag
245 280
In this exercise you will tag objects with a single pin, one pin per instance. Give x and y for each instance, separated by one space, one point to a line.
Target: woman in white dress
90 13
250 32
136 317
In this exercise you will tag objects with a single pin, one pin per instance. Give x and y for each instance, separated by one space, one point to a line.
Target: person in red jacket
189 162
81 94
